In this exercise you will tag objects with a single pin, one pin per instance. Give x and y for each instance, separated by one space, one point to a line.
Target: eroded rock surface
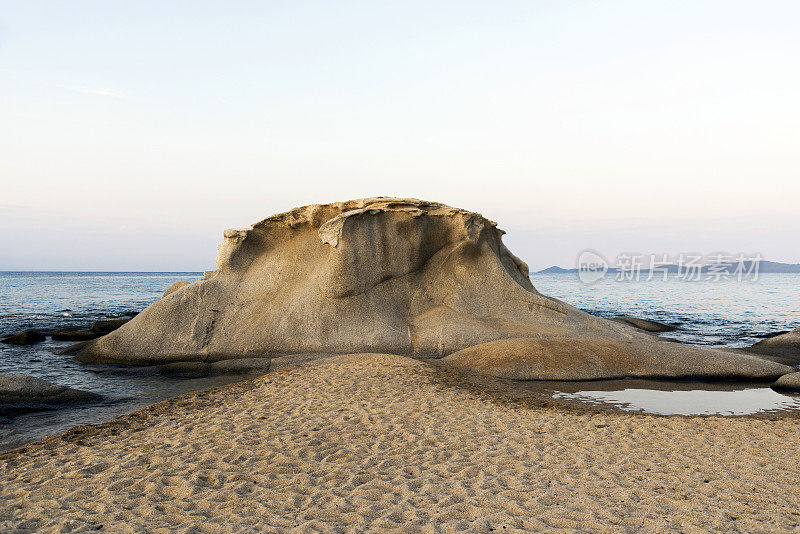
389 275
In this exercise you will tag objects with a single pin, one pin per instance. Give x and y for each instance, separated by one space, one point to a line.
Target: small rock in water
22 393
28 337
104 327
74 335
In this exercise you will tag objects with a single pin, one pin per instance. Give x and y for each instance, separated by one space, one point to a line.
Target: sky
132 134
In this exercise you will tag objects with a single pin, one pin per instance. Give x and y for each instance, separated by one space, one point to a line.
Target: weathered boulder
380 275
77 334
592 358
783 348
173 288
644 324
375 275
789 383
109 325
21 393
27 337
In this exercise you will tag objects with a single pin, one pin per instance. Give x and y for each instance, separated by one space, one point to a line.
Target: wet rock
644 324
27 337
771 334
74 335
789 383
21 393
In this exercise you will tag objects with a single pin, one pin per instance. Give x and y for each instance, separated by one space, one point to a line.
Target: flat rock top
317 214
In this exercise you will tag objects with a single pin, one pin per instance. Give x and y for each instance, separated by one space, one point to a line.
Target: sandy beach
386 443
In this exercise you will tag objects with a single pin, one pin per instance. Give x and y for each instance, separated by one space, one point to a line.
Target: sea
724 313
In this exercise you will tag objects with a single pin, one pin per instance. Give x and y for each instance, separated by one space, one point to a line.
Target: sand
385 443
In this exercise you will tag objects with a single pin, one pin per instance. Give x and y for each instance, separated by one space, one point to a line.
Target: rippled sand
384 443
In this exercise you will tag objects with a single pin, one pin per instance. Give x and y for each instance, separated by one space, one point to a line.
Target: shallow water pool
746 401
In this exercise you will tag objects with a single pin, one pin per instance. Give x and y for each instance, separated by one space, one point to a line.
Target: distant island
764 266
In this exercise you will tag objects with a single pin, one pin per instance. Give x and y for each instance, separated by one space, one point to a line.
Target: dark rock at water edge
239 366
771 334
22 393
74 335
109 325
190 369
645 324
28 337
235 366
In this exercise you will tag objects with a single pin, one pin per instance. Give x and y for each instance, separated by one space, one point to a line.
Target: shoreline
504 392
382 442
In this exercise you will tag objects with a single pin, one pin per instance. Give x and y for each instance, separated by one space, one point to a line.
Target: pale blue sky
133 133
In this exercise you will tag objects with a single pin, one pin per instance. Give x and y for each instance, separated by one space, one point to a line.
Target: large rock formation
784 348
386 275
